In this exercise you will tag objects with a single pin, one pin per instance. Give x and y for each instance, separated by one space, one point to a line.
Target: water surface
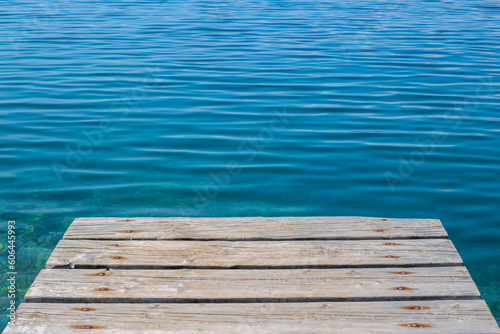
251 108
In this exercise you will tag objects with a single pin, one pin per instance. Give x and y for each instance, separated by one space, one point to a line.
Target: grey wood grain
239 228
451 317
204 285
274 254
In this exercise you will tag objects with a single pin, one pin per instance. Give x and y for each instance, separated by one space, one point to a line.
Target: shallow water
250 108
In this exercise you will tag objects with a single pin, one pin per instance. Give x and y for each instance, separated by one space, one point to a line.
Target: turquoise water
250 108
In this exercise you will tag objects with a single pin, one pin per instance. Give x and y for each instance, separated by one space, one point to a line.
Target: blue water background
250 108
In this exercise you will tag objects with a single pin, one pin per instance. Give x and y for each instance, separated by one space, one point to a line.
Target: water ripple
300 107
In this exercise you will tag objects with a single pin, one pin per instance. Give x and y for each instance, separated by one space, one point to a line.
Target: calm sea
250 108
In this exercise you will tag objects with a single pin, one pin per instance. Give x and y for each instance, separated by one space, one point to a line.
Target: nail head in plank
260 228
188 285
271 254
445 316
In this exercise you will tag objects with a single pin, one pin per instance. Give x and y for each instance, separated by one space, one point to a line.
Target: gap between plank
104 300
138 267
260 239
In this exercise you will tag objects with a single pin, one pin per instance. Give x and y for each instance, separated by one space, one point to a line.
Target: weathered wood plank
274 254
451 317
240 228
188 285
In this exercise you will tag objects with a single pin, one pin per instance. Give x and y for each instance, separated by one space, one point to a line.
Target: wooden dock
254 275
